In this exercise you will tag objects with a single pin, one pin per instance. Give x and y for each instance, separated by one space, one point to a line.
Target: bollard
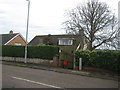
80 63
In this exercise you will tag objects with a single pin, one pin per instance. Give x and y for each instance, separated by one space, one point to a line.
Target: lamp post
27 31
118 26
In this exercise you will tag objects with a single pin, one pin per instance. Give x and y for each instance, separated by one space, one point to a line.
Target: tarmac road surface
21 77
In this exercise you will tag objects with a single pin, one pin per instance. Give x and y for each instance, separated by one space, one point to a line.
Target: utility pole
27 32
118 26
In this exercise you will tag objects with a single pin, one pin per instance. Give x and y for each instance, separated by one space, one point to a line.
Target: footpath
102 75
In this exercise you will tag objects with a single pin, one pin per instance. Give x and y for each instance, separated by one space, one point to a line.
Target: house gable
6 37
18 39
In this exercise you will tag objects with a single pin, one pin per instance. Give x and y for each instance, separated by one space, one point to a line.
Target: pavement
24 77
102 75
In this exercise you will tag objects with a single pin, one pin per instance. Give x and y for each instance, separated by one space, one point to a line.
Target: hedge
106 59
41 51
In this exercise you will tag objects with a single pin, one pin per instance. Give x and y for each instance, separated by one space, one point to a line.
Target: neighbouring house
67 43
12 39
60 40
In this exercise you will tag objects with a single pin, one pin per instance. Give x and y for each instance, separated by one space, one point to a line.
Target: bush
107 59
41 51
84 54
12 51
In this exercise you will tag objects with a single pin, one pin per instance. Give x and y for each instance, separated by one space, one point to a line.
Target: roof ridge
9 34
54 34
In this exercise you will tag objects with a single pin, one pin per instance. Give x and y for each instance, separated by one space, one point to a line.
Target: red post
65 62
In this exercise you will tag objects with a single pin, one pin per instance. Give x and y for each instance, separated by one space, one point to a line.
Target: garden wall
46 62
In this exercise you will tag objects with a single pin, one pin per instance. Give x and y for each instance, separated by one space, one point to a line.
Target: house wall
18 39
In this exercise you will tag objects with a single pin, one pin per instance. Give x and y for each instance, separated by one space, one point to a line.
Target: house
64 40
67 43
60 40
12 39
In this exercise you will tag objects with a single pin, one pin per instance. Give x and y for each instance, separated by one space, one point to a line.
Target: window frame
61 41
17 44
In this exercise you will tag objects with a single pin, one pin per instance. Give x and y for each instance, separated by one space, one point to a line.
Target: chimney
11 32
49 35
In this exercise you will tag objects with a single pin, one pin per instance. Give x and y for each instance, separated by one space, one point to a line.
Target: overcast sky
46 16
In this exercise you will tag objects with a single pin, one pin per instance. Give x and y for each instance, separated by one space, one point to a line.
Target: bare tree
92 21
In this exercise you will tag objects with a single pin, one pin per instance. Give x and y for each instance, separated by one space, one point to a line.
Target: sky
46 16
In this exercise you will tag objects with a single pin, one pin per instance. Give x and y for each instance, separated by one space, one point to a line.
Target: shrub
84 54
12 51
43 51
107 59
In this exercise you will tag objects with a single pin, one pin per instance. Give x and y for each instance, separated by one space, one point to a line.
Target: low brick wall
53 62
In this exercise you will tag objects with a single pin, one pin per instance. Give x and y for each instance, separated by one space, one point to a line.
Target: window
65 41
17 44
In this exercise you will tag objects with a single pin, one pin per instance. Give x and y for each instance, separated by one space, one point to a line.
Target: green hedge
107 59
41 51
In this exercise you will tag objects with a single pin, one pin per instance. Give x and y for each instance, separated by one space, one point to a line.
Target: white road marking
35 82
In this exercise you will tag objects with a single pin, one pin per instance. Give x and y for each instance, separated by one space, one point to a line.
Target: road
21 77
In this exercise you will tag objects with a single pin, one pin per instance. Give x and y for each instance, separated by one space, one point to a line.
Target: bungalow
67 43
60 40
12 39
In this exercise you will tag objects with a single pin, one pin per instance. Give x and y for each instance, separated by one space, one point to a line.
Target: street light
27 31
118 26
